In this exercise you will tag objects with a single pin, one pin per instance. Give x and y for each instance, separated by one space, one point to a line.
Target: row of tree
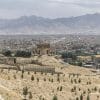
18 53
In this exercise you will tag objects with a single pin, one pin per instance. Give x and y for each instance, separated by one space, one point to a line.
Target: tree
25 92
88 97
75 81
58 79
30 95
21 53
61 88
81 97
7 53
71 81
37 79
28 73
95 89
32 77
44 79
55 97
51 80
79 80
22 76
14 76
77 98
69 55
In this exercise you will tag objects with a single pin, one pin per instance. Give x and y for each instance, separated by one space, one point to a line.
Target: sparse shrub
32 78
42 98
89 91
87 83
44 79
69 75
37 79
99 90
97 97
51 80
25 92
61 88
41 73
16 71
79 89
79 81
84 92
8 77
75 81
2 70
14 76
88 97
35 72
58 75
73 75
77 98
52 73
28 73
72 90
57 88
22 76
22 71
64 81
81 97
45 73
58 79
55 97
8 70
95 89
71 81
30 95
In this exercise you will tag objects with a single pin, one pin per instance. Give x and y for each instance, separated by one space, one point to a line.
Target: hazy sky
48 8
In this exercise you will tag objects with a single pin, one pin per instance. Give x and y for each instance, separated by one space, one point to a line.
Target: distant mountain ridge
88 24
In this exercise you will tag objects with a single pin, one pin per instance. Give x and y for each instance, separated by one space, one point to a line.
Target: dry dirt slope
47 85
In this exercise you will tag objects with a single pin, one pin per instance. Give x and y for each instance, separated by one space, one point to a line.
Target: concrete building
43 49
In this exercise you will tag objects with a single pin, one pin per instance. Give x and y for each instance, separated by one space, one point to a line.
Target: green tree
79 80
77 98
7 52
32 78
58 79
88 97
25 92
22 76
37 79
21 53
51 80
44 79
81 97
61 88
55 97
30 95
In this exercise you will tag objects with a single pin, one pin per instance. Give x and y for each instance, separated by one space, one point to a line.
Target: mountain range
85 24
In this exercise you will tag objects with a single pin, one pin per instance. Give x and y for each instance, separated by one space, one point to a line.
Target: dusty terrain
74 83
48 85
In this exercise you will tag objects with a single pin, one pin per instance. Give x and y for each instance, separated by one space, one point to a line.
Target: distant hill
86 24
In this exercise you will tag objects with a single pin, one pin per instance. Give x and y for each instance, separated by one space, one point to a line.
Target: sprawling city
53 67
